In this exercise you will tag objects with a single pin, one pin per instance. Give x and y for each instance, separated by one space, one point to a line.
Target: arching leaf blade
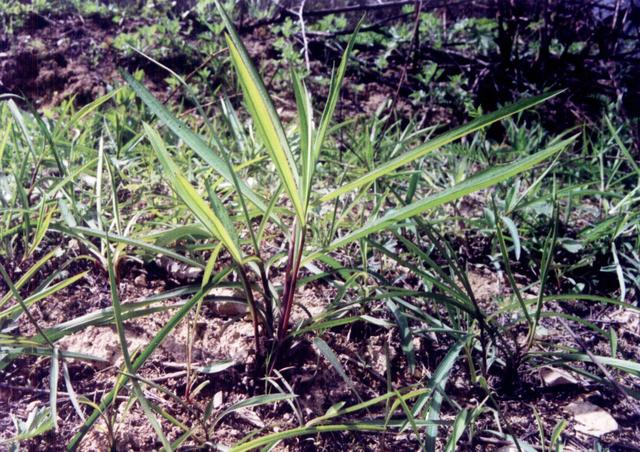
185 191
480 181
191 139
264 115
438 142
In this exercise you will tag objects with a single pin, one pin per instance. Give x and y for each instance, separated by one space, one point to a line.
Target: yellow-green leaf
264 116
191 198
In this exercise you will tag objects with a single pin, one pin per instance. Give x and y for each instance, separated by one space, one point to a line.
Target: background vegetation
319 224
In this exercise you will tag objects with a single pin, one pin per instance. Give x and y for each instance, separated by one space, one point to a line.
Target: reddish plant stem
254 311
268 300
291 279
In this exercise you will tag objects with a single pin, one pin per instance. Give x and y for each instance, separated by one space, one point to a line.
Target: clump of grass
296 175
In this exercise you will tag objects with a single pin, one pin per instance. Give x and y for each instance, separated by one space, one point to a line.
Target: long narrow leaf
108 398
477 124
122 337
483 180
190 197
194 141
334 92
305 125
264 115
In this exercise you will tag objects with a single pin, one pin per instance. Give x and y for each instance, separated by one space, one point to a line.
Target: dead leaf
251 417
591 419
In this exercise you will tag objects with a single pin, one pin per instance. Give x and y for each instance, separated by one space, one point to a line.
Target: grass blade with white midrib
264 115
194 141
214 224
305 126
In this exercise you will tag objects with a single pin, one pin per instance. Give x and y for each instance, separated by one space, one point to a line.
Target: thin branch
305 43
286 12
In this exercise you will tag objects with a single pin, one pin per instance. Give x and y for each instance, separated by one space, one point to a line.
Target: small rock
230 308
141 280
378 359
541 332
591 419
556 377
193 272
217 400
223 305
73 245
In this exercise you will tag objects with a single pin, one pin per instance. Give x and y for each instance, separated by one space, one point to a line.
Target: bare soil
225 333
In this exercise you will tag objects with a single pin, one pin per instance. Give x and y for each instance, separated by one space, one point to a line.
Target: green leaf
253 401
355 426
84 111
185 191
485 179
630 367
334 92
513 232
215 367
28 275
194 141
459 426
264 115
305 125
53 385
122 337
70 391
328 353
406 337
15 310
44 220
159 337
437 385
477 124
80 231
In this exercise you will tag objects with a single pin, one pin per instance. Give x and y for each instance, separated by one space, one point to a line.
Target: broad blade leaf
478 182
194 141
305 115
214 224
437 385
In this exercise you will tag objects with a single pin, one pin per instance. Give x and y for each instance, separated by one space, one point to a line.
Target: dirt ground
224 332
54 58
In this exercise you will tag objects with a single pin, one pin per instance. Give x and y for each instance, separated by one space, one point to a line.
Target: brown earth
224 332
